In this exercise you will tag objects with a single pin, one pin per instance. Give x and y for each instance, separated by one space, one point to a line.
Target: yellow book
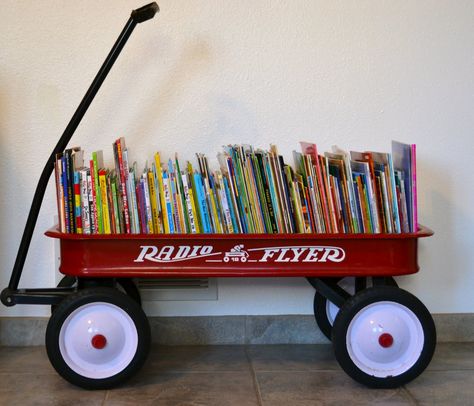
105 200
194 197
256 226
214 210
154 206
164 211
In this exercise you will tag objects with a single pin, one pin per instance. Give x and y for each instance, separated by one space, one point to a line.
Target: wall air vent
177 289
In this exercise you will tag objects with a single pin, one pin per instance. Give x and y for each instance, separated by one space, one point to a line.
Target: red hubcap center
386 340
99 341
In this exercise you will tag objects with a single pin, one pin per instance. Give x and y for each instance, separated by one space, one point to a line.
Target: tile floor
289 375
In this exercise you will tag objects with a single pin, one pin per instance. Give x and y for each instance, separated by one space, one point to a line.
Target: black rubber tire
89 296
321 315
125 284
356 304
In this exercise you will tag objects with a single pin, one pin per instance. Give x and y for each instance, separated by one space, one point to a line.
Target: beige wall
206 73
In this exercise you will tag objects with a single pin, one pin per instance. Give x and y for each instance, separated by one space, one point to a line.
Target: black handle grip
145 13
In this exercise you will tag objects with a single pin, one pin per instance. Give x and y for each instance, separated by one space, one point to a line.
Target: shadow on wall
448 251
156 101
13 195
236 121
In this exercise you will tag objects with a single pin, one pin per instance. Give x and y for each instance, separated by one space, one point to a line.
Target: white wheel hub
385 339
98 340
331 311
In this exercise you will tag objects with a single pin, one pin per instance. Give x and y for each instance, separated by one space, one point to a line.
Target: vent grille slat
165 283
153 290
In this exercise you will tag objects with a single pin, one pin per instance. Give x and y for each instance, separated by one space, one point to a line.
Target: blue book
358 204
77 202
201 198
169 206
231 205
67 215
174 196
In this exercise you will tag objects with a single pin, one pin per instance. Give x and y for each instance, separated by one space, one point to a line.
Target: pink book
413 188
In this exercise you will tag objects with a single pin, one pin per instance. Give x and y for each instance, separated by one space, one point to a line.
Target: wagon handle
138 16
145 13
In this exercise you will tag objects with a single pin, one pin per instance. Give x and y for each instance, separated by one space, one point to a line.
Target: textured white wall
207 73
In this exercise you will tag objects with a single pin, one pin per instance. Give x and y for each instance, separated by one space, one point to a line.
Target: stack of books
253 191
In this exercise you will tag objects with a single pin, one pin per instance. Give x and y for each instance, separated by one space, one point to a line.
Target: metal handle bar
137 16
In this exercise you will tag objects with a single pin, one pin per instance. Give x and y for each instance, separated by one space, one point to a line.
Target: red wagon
98 335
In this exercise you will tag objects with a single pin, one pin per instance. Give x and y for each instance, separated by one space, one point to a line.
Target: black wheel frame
125 284
320 314
84 297
360 301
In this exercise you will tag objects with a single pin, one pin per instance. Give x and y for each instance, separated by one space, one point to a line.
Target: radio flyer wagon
98 335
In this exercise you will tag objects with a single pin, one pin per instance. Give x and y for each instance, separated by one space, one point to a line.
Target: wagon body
234 255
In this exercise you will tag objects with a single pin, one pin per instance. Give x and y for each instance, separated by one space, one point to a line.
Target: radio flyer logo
298 254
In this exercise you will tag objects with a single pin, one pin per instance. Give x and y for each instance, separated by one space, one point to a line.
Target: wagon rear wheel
384 337
97 338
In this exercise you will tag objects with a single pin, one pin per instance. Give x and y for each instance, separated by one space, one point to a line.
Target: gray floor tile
221 375
453 356
39 388
197 359
191 388
24 359
322 388
292 357
443 388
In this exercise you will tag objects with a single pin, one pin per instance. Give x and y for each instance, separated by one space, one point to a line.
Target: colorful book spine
92 210
154 206
77 202
102 175
147 201
232 206
191 210
96 165
122 174
203 209
182 203
174 197
414 196
95 191
133 201
60 193
161 186
114 224
115 200
167 202
85 208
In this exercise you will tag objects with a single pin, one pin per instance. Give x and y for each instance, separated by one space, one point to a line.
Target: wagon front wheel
97 338
383 337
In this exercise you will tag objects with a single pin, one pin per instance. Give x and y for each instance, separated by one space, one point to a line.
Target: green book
98 163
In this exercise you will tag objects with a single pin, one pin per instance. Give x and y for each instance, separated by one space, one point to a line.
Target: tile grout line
106 395
254 378
409 394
